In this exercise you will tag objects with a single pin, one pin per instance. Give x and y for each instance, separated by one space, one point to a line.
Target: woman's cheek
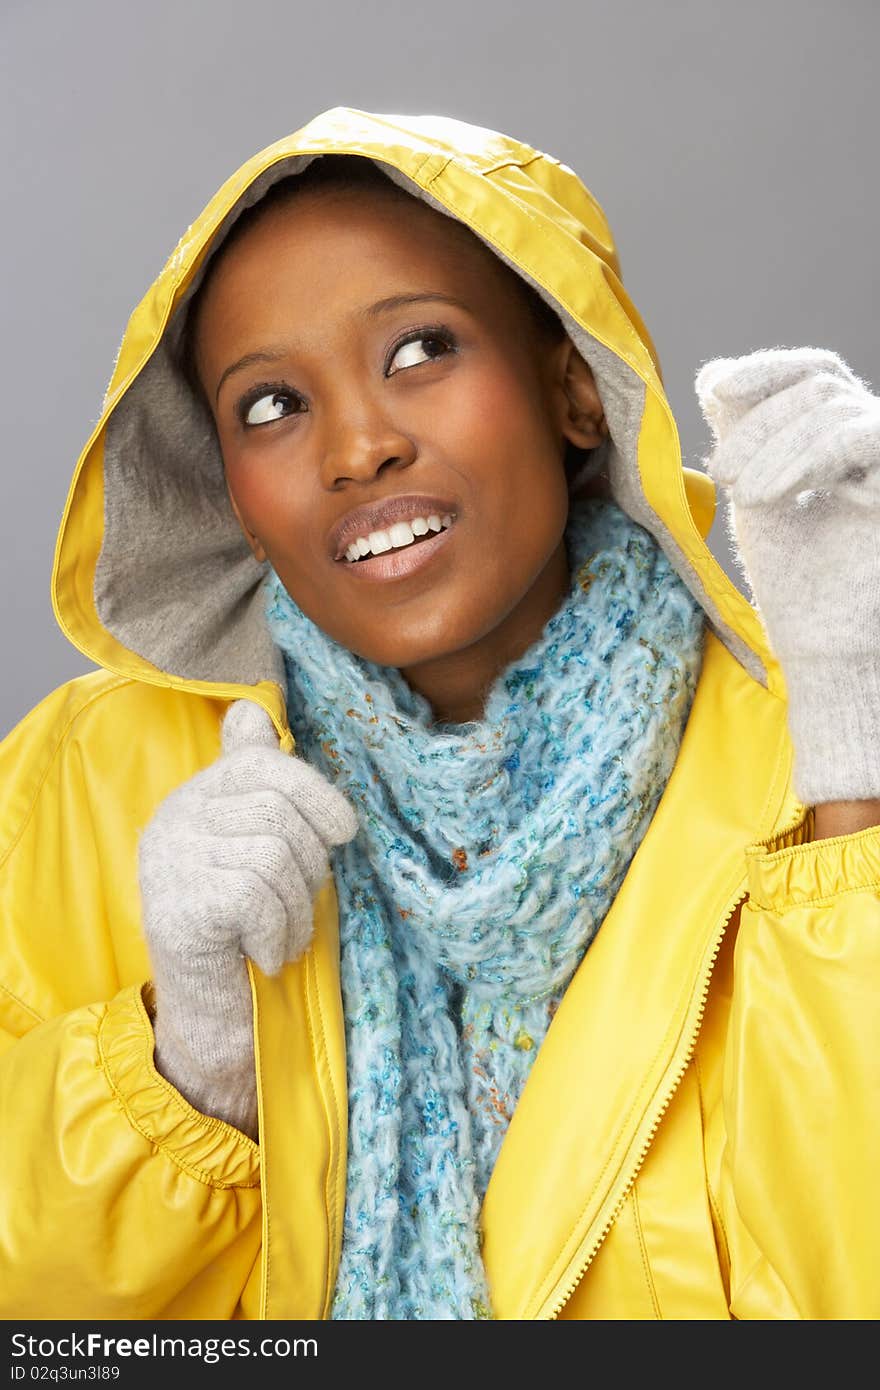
480 414
269 495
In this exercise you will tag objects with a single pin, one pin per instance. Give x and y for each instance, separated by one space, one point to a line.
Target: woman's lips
401 562
383 513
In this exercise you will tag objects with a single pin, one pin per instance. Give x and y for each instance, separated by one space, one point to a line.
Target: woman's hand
229 866
797 443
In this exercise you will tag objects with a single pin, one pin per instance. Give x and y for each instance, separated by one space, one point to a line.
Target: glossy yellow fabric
699 1136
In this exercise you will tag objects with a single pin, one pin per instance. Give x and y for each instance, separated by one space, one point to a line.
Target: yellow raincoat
699 1136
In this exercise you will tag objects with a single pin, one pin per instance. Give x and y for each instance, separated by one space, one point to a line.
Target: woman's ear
251 539
581 416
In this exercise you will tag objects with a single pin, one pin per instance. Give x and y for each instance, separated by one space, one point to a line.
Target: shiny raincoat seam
643 1252
476 224
123 680
10 994
724 1255
827 900
7 854
331 1120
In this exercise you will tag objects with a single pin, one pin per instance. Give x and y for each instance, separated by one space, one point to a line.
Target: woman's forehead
357 228
353 248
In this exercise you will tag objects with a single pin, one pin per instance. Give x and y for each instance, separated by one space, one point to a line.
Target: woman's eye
273 405
423 349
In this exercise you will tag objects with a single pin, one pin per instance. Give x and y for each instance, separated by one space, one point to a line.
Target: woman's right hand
229 867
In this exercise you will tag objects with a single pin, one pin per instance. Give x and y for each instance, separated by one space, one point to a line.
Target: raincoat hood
153 577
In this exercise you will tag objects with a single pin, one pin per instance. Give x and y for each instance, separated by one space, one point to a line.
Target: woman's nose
359 451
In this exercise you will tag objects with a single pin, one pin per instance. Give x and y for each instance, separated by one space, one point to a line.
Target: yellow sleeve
118 1200
800 1176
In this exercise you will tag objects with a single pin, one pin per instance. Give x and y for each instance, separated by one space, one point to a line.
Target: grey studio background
732 146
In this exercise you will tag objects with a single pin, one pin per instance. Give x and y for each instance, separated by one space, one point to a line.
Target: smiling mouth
402 535
405 558
408 545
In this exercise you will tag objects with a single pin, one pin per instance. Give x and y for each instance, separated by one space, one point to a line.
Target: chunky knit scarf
488 856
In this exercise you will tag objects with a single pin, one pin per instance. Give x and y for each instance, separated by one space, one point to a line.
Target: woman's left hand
797 445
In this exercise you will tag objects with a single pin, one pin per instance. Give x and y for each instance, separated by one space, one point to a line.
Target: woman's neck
456 684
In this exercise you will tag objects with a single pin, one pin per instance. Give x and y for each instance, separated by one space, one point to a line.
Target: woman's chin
410 653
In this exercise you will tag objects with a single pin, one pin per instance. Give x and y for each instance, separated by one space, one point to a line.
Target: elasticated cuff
791 868
207 1149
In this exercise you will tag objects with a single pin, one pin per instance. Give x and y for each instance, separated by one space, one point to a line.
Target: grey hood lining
176 581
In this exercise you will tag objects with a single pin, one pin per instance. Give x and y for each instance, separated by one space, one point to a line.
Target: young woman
450 897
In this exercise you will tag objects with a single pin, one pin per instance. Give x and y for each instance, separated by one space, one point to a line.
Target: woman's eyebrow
250 359
400 301
381 306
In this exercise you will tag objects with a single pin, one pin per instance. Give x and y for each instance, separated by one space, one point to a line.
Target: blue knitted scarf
488 856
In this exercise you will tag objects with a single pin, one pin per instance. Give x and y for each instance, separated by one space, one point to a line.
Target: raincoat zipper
631 1176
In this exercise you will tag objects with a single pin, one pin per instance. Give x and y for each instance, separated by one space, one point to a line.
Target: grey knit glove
228 867
797 442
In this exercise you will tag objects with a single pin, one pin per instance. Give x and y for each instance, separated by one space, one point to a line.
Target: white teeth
401 533
398 535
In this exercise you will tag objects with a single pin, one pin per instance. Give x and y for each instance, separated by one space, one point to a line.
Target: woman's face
373 376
